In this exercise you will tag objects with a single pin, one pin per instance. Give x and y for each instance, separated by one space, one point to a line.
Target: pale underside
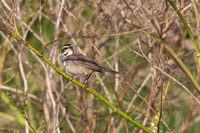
76 70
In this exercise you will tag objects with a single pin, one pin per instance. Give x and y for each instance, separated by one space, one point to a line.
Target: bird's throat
64 59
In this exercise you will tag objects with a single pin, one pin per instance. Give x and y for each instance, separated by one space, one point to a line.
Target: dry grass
151 88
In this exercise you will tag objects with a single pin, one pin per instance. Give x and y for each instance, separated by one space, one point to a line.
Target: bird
79 65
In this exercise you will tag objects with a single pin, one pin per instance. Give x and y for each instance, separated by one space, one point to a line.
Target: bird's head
67 50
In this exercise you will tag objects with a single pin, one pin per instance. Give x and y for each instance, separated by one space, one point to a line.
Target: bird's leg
87 78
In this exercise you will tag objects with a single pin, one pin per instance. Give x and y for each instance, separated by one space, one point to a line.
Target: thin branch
77 83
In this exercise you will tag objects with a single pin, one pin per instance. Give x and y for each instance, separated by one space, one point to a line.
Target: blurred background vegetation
151 88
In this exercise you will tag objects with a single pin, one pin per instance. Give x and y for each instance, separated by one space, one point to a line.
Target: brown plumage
79 65
82 60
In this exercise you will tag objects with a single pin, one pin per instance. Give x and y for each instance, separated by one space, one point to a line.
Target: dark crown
67 45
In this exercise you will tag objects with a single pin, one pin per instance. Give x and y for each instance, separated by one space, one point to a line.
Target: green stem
188 30
179 61
78 83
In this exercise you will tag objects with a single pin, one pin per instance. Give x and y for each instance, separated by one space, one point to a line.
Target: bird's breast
76 70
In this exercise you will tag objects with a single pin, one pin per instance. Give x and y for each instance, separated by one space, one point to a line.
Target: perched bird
78 65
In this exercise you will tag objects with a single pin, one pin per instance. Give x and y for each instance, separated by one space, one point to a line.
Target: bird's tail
105 69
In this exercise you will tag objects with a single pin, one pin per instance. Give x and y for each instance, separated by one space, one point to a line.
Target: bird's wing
82 60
